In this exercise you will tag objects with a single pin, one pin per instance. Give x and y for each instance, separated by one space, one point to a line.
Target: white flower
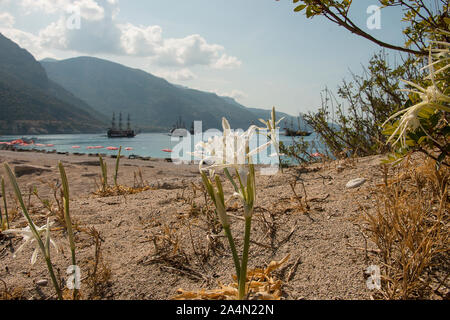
229 150
431 97
28 236
271 127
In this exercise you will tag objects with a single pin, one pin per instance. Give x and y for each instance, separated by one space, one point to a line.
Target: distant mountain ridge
30 103
79 95
154 103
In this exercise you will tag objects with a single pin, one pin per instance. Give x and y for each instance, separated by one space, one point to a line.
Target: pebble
42 282
355 183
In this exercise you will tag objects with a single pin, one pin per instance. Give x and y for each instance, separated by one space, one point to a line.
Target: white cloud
6 20
28 41
235 94
182 52
177 75
226 62
188 51
46 6
140 41
53 36
89 9
100 32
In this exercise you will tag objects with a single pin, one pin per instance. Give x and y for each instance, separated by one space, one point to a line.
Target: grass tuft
410 229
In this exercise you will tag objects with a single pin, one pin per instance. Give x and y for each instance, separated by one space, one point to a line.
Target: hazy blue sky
257 51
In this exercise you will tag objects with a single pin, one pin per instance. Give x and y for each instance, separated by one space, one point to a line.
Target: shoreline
12 148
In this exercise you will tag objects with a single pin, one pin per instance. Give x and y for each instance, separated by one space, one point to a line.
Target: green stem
4 202
227 173
53 277
67 218
233 250
243 276
117 166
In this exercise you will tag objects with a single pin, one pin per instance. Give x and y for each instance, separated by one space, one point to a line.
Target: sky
259 52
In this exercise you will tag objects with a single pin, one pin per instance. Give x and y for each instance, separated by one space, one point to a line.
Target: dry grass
99 272
119 190
168 247
260 285
10 294
410 228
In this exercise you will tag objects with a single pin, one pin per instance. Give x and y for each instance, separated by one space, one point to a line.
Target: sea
154 145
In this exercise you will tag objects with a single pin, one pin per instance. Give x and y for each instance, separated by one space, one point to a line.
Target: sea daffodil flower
431 97
271 127
229 150
232 150
29 238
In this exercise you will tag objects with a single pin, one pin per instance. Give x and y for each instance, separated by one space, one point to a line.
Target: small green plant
68 220
117 166
104 169
117 190
33 233
298 150
5 223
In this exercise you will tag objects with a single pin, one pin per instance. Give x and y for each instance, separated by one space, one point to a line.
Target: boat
115 132
179 129
296 133
290 132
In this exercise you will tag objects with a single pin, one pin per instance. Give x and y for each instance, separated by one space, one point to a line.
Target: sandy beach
164 239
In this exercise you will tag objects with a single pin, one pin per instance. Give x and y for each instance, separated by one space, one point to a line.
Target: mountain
153 103
30 103
291 122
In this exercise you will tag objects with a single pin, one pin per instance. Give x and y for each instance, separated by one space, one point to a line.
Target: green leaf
300 8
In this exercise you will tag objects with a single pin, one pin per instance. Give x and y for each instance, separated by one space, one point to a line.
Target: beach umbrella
167 150
317 155
76 147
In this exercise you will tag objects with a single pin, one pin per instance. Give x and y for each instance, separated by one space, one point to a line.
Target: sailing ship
179 129
290 132
118 132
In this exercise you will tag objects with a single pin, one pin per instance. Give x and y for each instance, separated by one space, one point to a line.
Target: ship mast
128 123
120 121
113 124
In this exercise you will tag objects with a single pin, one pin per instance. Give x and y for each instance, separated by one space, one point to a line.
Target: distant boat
179 129
296 133
290 132
115 132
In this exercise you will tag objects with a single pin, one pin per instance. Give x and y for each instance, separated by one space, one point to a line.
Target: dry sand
327 256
